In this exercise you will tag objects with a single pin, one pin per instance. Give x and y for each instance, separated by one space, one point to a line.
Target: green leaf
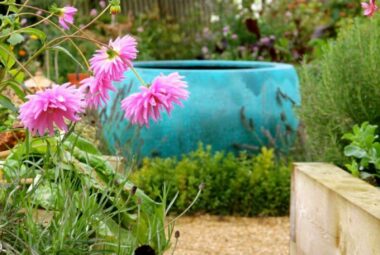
17 89
11 6
4 101
354 151
364 162
5 31
45 195
348 136
15 39
7 57
59 48
82 144
33 31
17 75
353 168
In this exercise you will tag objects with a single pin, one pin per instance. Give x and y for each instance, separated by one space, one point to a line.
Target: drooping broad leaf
33 31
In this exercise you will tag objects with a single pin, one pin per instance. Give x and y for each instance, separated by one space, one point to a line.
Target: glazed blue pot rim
210 65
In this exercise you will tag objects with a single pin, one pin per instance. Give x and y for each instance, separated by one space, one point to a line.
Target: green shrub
342 89
240 185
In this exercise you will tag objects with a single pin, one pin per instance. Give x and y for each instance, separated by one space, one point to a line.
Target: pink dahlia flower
164 92
66 16
110 63
369 8
52 107
97 91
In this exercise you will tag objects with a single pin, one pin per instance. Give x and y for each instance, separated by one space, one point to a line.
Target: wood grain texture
333 212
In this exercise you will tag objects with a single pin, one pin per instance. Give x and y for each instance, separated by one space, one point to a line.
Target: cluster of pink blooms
55 107
369 8
107 65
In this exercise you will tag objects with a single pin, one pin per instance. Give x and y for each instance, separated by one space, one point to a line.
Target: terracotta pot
76 78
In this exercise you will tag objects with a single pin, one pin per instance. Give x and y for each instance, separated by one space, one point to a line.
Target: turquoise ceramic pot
233 105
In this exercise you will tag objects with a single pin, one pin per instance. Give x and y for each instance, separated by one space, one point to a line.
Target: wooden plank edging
333 212
355 190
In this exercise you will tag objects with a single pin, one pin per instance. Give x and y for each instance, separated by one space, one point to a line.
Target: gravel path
213 235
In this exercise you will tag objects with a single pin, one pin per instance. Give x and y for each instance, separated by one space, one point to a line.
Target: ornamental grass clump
87 206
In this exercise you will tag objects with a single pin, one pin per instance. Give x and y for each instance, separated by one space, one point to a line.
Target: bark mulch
215 235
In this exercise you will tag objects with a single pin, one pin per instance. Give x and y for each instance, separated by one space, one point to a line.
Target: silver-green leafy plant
364 151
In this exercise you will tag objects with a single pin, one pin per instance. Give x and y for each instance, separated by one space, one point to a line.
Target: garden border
332 212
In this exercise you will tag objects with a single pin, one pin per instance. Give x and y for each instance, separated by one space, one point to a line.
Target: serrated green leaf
5 31
33 31
4 101
15 39
59 48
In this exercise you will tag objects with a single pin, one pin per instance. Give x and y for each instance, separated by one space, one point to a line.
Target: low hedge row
234 185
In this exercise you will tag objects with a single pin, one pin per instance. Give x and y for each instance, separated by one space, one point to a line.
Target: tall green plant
92 207
341 89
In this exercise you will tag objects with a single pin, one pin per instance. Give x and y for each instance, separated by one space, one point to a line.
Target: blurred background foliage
277 30
293 31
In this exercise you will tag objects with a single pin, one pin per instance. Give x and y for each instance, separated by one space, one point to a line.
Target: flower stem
187 209
92 21
138 76
23 5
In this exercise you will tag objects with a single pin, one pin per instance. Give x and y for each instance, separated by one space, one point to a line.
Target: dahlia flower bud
115 7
